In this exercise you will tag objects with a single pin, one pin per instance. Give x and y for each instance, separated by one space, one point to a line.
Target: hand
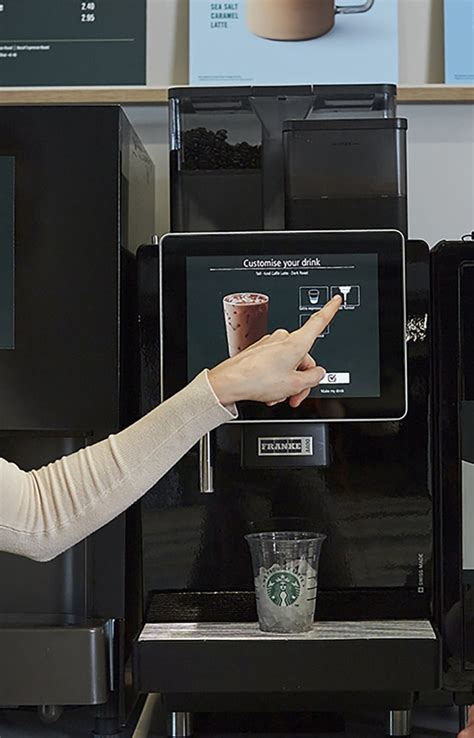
277 367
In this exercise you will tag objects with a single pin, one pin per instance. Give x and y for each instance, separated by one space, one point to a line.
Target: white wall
440 170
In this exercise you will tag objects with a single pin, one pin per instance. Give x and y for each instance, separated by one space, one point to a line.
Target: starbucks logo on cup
283 588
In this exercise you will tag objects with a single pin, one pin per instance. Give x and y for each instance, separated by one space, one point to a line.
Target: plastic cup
285 567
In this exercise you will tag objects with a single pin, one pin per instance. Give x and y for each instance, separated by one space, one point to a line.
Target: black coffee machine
73 182
289 159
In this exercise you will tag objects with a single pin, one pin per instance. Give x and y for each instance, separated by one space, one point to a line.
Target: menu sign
7 199
72 42
284 42
459 41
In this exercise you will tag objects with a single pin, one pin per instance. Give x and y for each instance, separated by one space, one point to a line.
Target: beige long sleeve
44 512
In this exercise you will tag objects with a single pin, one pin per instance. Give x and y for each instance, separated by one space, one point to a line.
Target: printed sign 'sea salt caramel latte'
246 319
296 20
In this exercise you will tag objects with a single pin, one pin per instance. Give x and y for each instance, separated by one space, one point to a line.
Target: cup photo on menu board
296 20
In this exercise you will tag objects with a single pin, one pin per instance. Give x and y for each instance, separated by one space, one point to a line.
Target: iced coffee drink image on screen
246 319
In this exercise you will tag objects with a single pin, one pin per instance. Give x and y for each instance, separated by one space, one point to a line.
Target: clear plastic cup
285 568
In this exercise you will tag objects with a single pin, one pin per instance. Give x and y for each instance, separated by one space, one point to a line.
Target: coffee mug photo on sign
296 20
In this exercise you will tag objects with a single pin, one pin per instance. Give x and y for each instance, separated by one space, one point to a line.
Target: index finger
309 332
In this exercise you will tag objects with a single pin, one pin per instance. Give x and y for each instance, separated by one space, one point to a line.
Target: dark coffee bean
205 149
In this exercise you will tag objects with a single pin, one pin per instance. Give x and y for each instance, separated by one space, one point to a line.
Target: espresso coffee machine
369 493
76 201
238 166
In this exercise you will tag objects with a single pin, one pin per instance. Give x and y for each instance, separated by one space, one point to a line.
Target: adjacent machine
76 201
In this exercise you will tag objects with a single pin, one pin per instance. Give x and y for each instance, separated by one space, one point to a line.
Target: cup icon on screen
313 295
246 319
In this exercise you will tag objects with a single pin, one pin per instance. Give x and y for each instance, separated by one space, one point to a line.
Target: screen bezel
388 245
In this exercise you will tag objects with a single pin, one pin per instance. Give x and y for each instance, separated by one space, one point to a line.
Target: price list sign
72 42
7 217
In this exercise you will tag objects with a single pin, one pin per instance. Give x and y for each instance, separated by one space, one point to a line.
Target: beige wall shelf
159 95
83 95
436 94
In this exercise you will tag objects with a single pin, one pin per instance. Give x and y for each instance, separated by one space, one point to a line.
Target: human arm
276 368
46 511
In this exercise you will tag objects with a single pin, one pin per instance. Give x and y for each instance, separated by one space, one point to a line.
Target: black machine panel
373 500
7 229
453 341
77 181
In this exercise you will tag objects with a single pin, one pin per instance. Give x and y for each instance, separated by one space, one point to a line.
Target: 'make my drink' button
336 378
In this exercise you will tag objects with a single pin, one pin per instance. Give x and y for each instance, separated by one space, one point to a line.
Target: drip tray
53 664
363 656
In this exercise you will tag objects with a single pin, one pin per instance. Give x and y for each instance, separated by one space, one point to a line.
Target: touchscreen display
232 301
221 292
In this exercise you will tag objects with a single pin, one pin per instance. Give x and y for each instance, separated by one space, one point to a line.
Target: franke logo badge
290 446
